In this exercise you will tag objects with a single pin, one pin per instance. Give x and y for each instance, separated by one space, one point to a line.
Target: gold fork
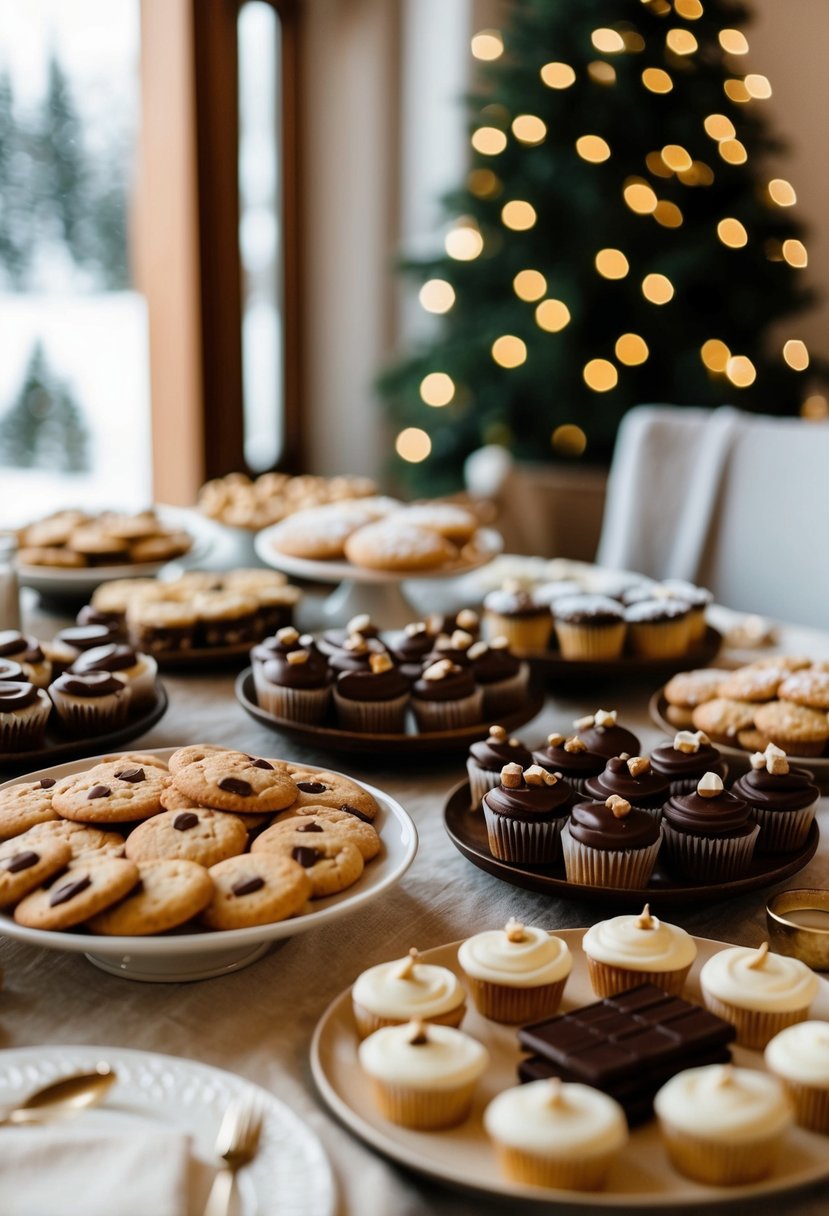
236 1144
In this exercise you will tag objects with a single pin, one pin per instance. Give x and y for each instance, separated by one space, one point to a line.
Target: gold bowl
798 922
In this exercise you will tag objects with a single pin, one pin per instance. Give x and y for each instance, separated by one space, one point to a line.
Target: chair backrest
734 501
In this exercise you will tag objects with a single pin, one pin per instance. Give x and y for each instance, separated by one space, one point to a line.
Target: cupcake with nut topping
295 685
626 951
610 844
759 992
488 756
524 815
515 974
603 734
632 778
374 699
686 760
783 800
410 647
709 835
446 697
571 759
406 988
500 675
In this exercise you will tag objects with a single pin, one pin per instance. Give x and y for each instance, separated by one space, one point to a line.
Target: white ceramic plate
174 957
463 1157
290 1174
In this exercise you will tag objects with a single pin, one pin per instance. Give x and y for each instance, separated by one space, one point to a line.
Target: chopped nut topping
497 734
499 643
414 628
440 670
584 723
514 930
776 760
295 657
638 766
645 921
477 651
405 969
710 785
356 643
605 717
359 624
536 775
575 745
555 739
759 958
512 776
287 636
686 741
619 807
467 619
461 640
380 663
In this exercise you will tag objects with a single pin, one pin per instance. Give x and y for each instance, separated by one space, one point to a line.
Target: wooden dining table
258 1022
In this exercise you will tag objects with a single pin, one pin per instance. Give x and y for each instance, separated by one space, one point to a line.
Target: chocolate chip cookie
199 835
331 862
233 781
24 869
169 893
317 787
256 889
73 897
324 819
22 806
116 792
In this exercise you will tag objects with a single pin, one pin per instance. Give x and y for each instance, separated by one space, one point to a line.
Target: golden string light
509 351
557 75
464 243
758 87
741 371
719 127
677 158
437 389
733 42
529 285
611 264
600 375
569 439
668 214
436 295
782 192
796 354
529 129
413 444
656 165
640 197
732 151
609 42
657 81
631 349
601 72
735 90
518 215
657 288
681 42
715 355
593 148
815 408
487 44
794 252
483 183
732 233
489 141
552 316
691 10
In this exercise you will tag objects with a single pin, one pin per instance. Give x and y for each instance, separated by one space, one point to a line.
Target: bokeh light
489 141
600 375
612 264
715 355
509 351
631 349
733 42
609 42
640 197
681 42
794 252
558 75
593 148
487 45
529 129
732 151
518 215
719 126
437 389
782 192
529 285
732 233
668 214
656 80
601 72
463 243
436 295
483 183
758 87
741 371
657 288
815 408
552 316
796 354
569 439
413 444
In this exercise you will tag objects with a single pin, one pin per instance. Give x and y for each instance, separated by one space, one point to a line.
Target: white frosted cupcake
516 974
392 993
548 1133
423 1076
799 1057
758 992
723 1125
629 950
85 704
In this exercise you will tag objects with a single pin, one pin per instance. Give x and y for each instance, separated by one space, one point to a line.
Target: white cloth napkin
64 1170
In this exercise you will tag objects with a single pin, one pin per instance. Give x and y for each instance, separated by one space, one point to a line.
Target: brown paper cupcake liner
368 1022
708 858
297 704
372 717
696 625
572 1173
811 1104
21 732
500 1003
688 785
718 1163
663 640
782 831
535 843
522 633
755 1028
423 1109
505 695
590 641
86 718
605 867
449 715
480 782
607 980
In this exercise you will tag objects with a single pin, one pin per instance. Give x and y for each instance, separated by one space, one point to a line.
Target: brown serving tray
549 664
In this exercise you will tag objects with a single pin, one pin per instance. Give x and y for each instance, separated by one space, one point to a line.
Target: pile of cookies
381 534
215 839
73 540
780 699
240 502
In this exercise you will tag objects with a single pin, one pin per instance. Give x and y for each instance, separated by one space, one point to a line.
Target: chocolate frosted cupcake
467 620
409 648
455 647
355 654
500 675
373 700
515 614
37 668
24 712
446 697
709 835
783 800
281 643
659 628
602 734
570 758
334 639
524 815
487 758
610 844
85 637
633 779
85 704
139 670
589 627
687 759
295 685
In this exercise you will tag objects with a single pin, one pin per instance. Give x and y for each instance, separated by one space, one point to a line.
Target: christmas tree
44 428
619 239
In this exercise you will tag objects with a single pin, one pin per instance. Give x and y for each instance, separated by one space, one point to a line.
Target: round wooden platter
60 747
549 664
409 744
467 831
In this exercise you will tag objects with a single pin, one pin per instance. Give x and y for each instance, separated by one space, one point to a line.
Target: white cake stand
376 592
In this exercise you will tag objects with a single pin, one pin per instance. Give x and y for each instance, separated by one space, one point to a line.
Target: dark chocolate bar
627 1045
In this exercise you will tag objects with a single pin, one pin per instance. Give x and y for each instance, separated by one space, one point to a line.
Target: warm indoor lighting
782 192
735 90
529 285
815 408
463 243
569 439
612 264
732 151
794 252
631 349
796 354
759 87
552 316
668 214
732 233
681 42
633 42
489 141
740 371
483 183
607 41
733 42
487 44
518 215
656 165
715 355
656 80
558 75
529 129
413 444
436 295
437 389
640 198
509 351
657 288
592 148
718 126
699 174
677 158
600 375
601 72
691 10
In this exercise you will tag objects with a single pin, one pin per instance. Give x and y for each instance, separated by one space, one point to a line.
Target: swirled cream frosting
725 1103
407 989
759 980
552 1117
518 956
801 1053
431 1057
639 943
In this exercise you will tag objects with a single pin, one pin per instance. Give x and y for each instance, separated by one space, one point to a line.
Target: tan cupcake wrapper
530 843
718 1163
297 704
505 695
811 1104
368 1022
607 980
23 732
697 625
99 714
522 633
448 715
570 1173
480 782
606 867
422 1109
590 641
755 1028
501 1003
708 858
658 640
782 831
375 717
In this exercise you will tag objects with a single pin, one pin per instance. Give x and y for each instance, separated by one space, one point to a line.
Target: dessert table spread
259 1022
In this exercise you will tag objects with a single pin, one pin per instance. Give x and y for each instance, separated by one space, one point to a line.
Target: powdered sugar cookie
392 545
